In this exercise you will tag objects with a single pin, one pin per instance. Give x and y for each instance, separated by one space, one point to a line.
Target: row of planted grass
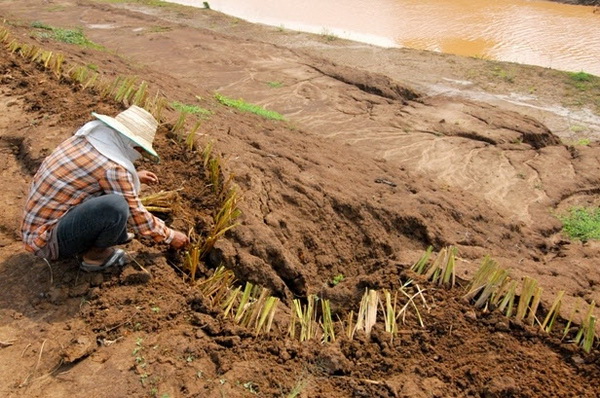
491 288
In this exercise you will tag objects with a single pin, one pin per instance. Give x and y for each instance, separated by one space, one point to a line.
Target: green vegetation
244 106
580 76
579 142
69 36
275 84
328 36
192 109
587 89
577 128
156 3
582 223
503 74
160 29
337 279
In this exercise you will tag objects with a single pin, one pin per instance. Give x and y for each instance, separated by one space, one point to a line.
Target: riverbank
382 154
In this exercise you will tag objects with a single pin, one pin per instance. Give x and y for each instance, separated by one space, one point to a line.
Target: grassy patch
328 36
192 109
582 89
69 36
244 106
503 74
580 76
275 84
157 3
159 29
582 223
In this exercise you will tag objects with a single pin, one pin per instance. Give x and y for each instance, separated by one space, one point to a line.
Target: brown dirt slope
364 176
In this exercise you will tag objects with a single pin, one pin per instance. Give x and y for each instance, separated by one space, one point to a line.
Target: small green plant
275 84
206 5
503 74
337 279
328 36
244 106
582 223
582 142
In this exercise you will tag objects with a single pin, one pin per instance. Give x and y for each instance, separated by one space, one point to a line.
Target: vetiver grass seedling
441 271
367 312
554 313
305 317
327 322
586 334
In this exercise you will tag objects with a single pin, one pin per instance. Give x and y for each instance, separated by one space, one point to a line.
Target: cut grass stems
244 106
218 285
442 270
304 317
327 322
161 202
554 313
367 312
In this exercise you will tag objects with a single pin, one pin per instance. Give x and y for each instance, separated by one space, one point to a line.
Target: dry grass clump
161 202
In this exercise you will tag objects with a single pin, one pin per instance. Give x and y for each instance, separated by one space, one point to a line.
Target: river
534 32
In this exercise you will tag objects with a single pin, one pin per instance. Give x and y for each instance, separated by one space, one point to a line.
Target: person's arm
119 181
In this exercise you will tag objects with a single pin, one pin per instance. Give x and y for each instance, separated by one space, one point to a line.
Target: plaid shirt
74 172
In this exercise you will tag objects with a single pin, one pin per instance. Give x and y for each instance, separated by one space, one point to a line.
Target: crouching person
86 194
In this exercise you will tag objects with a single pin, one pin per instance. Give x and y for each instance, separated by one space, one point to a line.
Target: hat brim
120 127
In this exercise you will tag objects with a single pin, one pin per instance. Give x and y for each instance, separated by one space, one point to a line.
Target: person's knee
113 207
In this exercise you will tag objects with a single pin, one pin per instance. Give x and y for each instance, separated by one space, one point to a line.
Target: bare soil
373 165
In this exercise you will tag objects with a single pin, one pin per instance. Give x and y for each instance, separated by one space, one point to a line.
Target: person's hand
147 177
180 240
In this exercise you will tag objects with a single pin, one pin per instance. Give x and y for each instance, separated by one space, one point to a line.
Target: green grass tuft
191 109
582 223
580 76
246 107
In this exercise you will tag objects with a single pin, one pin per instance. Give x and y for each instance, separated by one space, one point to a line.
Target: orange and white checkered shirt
74 172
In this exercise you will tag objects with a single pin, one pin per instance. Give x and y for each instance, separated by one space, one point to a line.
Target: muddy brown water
542 33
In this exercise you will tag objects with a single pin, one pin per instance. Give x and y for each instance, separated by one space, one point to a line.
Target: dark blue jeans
98 222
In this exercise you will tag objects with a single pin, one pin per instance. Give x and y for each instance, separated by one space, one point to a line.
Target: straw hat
136 124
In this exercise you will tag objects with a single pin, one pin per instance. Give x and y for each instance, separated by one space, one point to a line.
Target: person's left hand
147 177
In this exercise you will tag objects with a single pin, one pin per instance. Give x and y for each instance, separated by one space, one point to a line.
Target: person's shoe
129 238
117 258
